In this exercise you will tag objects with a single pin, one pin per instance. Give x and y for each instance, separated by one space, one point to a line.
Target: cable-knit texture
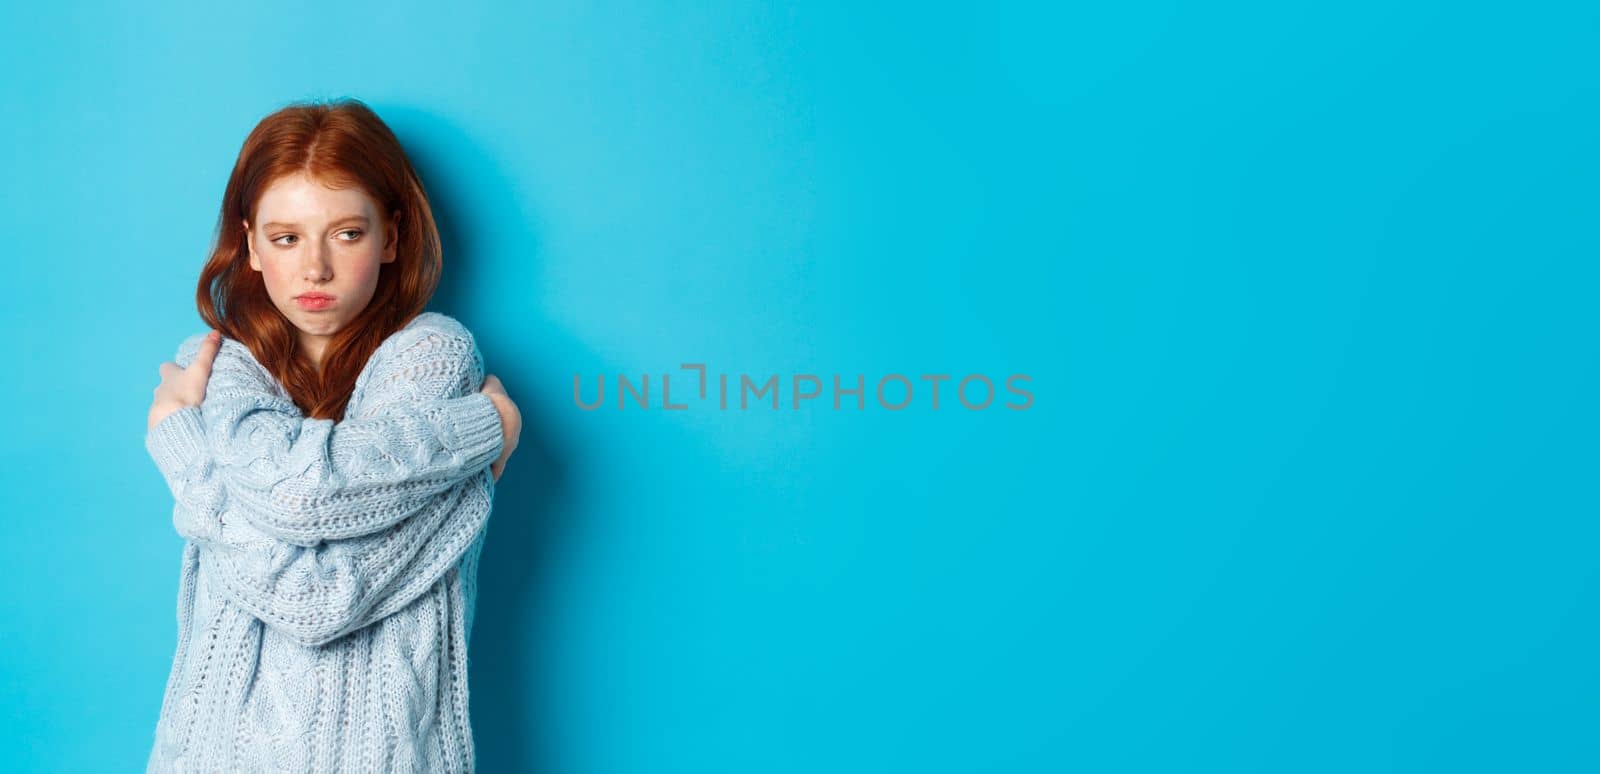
329 568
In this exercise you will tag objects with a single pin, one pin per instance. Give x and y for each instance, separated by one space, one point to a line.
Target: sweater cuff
176 442
474 427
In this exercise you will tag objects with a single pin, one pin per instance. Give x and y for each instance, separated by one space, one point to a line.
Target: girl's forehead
297 197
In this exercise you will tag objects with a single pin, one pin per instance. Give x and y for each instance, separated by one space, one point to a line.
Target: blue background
1307 295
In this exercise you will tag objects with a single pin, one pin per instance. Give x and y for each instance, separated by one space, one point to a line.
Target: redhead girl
332 449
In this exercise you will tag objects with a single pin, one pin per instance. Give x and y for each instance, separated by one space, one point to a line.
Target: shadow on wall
509 631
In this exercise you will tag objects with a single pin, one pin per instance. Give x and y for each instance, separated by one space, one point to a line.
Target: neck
313 347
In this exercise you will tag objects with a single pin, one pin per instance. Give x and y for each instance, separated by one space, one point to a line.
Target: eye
285 236
355 231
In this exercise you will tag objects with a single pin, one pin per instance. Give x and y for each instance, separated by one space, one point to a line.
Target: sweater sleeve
317 592
316 595
417 428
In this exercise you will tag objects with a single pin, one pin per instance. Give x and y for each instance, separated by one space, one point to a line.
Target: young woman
333 450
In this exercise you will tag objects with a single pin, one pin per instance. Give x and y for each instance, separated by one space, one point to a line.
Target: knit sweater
328 577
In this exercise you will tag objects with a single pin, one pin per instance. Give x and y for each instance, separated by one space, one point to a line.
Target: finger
168 368
208 352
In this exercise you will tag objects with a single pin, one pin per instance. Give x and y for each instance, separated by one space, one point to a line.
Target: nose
316 266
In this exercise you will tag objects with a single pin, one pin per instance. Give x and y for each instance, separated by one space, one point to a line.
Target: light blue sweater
328 579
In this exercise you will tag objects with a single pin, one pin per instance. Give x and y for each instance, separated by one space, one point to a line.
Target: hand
510 421
181 386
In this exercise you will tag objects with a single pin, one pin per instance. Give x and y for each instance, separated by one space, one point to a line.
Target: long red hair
342 143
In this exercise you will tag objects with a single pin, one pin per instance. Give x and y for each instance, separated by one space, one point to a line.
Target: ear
250 244
393 238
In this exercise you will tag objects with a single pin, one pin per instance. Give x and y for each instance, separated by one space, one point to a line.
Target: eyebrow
362 219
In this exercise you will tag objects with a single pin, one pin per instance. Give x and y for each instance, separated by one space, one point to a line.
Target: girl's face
308 238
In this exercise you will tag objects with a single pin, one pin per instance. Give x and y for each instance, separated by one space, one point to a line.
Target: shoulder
232 351
234 362
438 323
432 333
235 367
433 355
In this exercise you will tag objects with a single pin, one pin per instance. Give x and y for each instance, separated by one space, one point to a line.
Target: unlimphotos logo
894 391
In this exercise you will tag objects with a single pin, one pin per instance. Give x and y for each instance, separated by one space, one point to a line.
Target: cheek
365 271
277 276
